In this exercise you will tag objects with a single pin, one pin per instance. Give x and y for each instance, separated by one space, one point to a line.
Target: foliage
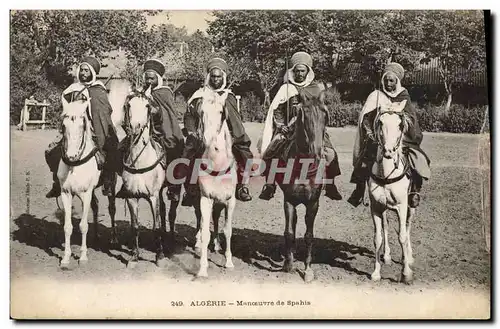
464 120
256 44
455 37
430 118
269 38
250 108
45 44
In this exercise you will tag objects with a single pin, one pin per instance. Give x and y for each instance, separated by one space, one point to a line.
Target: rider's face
216 78
390 81
150 79
300 72
85 74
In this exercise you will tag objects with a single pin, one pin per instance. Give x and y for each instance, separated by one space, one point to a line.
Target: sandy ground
452 266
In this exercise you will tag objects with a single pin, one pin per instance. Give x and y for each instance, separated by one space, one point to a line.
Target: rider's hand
370 136
284 129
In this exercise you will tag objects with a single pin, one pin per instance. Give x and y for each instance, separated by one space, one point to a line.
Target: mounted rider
365 147
280 124
166 130
104 134
216 81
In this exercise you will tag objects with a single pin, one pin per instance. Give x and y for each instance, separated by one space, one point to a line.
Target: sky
191 19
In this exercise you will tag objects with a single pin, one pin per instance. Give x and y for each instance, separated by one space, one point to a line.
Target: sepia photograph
250 164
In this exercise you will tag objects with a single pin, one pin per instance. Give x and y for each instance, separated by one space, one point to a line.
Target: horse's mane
76 109
118 93
309 102
407 120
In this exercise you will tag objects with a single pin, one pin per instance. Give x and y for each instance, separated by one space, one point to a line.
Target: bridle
379 140
137 137
201 128
201 123
81 148
301 123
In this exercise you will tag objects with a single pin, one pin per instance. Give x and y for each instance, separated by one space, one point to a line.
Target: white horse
143 176
78 172
217 189
389 186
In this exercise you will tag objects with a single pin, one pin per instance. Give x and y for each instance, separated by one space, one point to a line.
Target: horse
79 174
144 176
312 117
389 186
217 190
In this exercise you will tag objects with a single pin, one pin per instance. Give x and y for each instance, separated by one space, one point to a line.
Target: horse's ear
322 97
64 101
401 105
87 102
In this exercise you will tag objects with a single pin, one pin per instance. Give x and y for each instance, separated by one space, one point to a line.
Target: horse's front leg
387 249
112 214
197 212
377 215
133 205
94 204
402 211
411 215
311 212
206 206
160 256
172 215
68 228
290 225
228 231
84 224
216 212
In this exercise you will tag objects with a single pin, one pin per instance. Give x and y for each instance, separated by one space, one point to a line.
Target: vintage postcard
250 164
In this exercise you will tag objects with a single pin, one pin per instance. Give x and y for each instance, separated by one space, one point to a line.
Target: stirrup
414 199
267 192
243 190
174 194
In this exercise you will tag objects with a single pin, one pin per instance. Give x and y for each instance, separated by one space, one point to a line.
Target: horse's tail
118 92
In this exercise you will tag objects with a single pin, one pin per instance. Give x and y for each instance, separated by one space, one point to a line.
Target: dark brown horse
312 116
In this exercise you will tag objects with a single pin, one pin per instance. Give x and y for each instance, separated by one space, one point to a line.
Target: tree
46 44
457 39
269 38
374 38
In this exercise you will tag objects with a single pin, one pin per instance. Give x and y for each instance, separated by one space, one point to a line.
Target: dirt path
447 237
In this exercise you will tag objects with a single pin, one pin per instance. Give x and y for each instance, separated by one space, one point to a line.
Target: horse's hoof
83 261
288 268
217 248
407 279
411 261
229 265
161 263
64 265
202 274
309 276
376 277
132 264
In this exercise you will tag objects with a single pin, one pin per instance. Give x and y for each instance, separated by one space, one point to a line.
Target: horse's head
76 128
138 111
212 115
312 117
390 125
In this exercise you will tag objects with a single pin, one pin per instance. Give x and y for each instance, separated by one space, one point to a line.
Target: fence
30 109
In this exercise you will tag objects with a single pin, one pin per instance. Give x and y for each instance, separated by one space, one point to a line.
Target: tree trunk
448 103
